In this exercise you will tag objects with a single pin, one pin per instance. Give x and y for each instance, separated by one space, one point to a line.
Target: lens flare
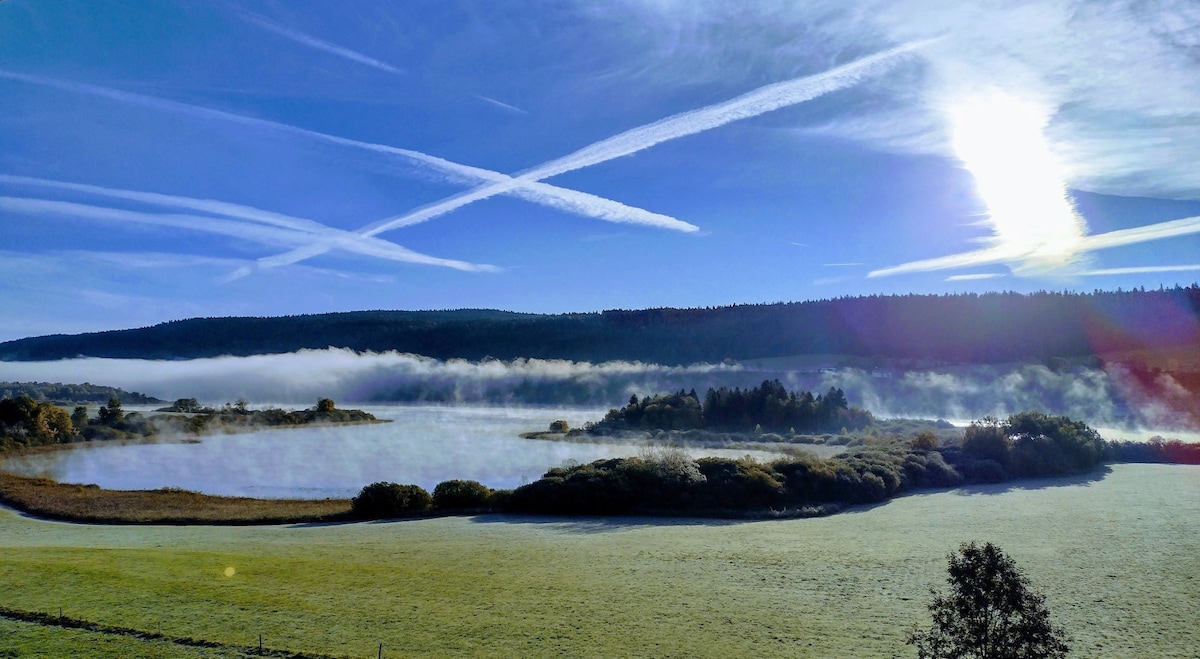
1000 141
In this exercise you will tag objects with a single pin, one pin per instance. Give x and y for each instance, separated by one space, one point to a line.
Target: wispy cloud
760 101
265 234
317 44
571 201
1120 77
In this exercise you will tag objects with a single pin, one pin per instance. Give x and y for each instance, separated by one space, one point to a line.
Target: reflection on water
424 445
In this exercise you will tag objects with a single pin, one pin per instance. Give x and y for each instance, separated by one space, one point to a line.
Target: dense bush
460 494
670 481
1047 445
26 422
1025 445
987 440
385 500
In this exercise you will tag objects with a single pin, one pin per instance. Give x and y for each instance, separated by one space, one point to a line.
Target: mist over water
1100 397
482 407
424 445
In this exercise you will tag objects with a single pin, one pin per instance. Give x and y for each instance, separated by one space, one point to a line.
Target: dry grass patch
89 503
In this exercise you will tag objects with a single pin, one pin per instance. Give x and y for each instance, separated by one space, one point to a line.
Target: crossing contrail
757 102
570 201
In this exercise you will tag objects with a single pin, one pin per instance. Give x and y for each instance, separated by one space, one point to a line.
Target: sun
1001 141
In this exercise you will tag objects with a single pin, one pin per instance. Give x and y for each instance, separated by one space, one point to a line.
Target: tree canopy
990 612
964 328
768 406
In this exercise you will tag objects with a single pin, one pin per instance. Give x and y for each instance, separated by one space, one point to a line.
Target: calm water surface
423 445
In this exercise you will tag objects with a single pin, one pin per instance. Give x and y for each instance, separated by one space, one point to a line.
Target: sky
192 158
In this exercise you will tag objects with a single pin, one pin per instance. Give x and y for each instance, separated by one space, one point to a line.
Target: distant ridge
964 328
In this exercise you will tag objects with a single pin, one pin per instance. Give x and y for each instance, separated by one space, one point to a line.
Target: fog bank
1111 397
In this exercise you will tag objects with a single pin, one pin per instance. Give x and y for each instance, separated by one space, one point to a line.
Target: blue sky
196 158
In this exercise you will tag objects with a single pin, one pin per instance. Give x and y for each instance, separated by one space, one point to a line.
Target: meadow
1118 556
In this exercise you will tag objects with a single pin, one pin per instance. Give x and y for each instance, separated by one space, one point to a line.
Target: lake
423 445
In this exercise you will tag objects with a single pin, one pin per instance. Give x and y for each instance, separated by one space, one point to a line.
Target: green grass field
1118 558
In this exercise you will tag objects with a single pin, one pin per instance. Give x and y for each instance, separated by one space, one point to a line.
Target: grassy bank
1118 557
88 503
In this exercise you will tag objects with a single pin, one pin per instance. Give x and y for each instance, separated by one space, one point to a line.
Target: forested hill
968 328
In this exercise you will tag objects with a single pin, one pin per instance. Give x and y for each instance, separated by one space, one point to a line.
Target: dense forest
768 407
965 328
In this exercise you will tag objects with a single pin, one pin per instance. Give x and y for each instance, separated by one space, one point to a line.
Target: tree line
72 394
961 328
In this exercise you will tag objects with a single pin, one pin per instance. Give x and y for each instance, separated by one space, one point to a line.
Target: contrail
1158 231
760 101
1003 254
348 240
501 104
984 275
1138 270
571 201
313 42
269 235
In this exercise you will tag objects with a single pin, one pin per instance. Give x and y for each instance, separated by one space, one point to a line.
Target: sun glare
999 139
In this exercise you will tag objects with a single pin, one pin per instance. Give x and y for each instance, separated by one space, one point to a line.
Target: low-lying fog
1110 398
424 445
481 408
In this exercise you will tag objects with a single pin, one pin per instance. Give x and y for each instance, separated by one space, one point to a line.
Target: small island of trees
768 407
27 423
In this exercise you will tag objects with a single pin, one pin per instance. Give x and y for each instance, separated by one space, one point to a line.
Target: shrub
982 471
459 494
986 440
559 426
924 441
384 500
